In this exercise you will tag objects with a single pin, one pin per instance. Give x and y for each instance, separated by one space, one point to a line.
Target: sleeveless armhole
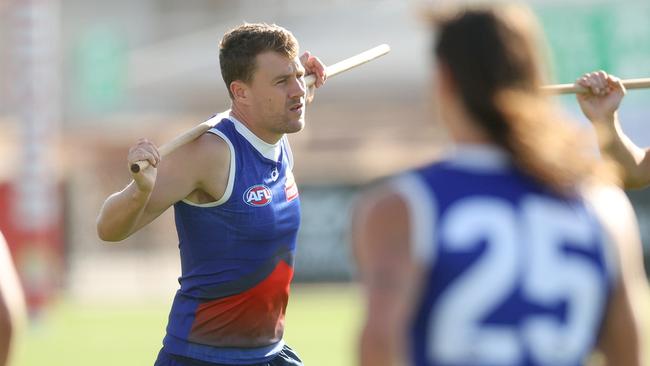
610 248
611 255
231 175
422 207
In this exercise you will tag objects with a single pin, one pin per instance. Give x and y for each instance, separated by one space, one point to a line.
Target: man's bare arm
600 107
389 276
634 161
201 165
12 304
622 336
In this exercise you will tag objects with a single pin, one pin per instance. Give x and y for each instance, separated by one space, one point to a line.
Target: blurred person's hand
144 150
605 96
313 65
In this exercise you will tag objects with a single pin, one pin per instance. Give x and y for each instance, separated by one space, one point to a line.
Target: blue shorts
286 357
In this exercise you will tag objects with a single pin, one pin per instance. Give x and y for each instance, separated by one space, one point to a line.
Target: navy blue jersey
237 256
514 274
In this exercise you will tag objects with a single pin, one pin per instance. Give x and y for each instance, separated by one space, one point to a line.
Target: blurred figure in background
600 106
12 303
236 207
516 248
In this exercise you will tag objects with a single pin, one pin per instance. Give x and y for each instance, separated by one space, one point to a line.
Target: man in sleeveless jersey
236 207
515 249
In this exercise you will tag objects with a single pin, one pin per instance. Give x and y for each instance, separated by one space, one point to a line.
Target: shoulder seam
421 204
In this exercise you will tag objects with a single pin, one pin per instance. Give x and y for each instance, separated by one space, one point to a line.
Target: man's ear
240 92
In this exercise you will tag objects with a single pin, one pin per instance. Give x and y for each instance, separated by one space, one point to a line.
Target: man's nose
297 89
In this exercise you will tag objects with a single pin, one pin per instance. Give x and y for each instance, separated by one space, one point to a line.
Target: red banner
30 204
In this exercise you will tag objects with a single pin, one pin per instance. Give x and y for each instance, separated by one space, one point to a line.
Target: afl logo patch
258 195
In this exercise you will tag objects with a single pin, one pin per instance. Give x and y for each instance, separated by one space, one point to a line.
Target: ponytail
547 147
493 59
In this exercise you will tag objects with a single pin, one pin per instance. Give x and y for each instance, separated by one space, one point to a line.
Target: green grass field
322 325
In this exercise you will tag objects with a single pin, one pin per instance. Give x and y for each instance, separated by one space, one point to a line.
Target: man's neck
252 124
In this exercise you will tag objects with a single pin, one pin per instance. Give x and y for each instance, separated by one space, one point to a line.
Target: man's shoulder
211 147
208 160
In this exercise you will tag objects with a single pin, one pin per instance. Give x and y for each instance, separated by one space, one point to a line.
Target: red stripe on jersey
250 319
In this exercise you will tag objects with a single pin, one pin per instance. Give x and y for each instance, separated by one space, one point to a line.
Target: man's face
278 93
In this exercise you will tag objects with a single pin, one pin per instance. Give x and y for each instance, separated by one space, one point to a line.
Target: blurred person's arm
12 303
389 275
600 107
623 335
198 169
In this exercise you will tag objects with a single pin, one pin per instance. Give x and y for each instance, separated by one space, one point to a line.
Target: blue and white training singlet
237 256
514 275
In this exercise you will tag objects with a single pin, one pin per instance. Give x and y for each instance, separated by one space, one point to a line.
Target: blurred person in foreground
600 106
12 303
236 207
515 248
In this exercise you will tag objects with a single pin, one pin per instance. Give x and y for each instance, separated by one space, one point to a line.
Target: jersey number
524 249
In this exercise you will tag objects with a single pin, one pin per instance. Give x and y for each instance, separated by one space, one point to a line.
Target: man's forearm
616 145
121 212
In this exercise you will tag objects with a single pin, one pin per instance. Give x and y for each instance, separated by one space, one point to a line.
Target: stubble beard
288 124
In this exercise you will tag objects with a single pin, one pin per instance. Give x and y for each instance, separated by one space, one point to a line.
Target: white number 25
524 250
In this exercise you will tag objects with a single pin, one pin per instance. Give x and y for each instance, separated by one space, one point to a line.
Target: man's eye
281 81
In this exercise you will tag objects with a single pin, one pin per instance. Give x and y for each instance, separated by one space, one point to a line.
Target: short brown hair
240 46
